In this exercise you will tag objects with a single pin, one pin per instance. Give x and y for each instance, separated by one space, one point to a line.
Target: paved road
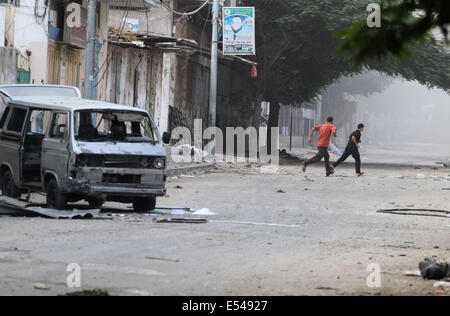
318 237
424 155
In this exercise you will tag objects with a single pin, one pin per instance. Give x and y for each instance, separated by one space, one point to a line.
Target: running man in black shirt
353 150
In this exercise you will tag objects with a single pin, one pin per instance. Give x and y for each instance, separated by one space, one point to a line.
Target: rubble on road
204 211
431 269
162 259
58 214
287 156
413 273
188 150
181 211
182 220
41 287
19 208
416 212
441 284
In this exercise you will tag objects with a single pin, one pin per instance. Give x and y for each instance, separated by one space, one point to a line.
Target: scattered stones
442 284
41 287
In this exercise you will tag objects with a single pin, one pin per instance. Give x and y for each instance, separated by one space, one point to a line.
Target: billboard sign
239 31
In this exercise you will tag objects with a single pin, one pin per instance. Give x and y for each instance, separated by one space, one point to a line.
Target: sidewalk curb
381 164
173 172
387 165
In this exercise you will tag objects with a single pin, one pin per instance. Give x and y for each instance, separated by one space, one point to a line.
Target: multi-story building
48 50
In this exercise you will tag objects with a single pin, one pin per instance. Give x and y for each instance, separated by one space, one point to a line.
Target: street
171 148
273 234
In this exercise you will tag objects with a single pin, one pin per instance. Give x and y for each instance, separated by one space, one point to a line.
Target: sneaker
361 174
329 173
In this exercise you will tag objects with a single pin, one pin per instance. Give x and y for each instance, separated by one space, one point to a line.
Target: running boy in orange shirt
325 132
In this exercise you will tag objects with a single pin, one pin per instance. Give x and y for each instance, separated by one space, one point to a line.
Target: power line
40 18
185 13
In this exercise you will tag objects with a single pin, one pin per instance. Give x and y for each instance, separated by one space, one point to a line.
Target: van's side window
17 120
39 120
4 117
59 126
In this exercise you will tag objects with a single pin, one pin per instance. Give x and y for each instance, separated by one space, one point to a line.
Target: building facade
147 57
49 49
161 61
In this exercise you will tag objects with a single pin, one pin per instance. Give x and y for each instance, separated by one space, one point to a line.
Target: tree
403 24
342 93
297 51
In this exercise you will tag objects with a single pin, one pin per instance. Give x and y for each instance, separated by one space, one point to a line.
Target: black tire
95 203
8 187
143 205
55 199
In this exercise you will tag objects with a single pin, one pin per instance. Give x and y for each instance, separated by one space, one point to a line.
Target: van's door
11 136
55 148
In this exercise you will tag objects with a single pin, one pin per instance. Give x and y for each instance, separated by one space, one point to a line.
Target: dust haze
405 113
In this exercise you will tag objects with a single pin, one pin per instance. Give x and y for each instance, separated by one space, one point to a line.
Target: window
122 126
17 119
59 126
3 101
4 117
38 122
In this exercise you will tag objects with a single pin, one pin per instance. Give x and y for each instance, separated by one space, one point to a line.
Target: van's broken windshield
117 126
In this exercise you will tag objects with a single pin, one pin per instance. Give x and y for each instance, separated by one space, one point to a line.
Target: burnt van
73 149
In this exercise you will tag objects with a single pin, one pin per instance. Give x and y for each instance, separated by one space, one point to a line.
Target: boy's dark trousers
323 153
350 150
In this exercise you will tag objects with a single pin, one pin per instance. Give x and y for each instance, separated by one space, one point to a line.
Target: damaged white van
74 149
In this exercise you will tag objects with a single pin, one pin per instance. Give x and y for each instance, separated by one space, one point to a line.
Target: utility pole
214 48
213 73
90 50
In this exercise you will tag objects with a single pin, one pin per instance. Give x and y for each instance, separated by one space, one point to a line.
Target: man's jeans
323 153
354 152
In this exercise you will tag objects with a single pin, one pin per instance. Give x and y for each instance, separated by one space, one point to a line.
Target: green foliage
403 24
297 49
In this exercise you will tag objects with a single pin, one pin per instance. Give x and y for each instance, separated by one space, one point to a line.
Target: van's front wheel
55 199
142 205
8 187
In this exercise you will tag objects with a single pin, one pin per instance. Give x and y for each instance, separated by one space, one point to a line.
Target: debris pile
431 269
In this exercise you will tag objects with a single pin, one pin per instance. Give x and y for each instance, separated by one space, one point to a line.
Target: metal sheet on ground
182 220
58 214
7 209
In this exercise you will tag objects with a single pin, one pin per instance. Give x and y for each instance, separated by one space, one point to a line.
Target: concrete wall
192 86
8 65
70 55
2 25
31 36
159 19
102 37
146 70
235 101
153 70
